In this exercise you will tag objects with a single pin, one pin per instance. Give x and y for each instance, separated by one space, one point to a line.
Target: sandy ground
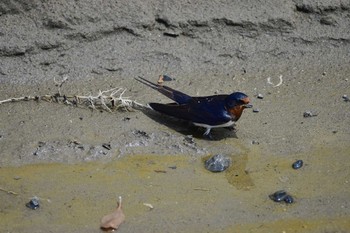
295 53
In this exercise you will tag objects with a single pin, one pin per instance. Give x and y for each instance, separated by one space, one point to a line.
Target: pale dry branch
107 100
8 191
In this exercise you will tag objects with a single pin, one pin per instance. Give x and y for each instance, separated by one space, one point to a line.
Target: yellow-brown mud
185 196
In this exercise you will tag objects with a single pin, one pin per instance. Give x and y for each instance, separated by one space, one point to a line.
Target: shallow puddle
184 196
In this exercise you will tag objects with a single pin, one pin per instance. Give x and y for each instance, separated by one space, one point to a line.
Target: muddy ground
295 53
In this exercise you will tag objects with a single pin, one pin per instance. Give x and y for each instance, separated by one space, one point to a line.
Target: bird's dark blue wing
203 110
177 96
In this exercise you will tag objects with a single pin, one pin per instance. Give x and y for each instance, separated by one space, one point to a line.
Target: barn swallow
206 111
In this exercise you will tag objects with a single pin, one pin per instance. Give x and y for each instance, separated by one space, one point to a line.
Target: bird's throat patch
236 112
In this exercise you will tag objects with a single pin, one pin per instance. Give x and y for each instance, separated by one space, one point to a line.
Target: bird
209 112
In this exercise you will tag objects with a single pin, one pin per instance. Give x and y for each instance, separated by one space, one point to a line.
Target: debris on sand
113 220
309 114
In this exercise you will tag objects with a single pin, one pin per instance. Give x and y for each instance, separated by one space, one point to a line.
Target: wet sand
185 197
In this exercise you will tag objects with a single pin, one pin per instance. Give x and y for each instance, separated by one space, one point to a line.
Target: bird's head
236 103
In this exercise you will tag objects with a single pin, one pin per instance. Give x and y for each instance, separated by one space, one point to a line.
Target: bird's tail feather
173 94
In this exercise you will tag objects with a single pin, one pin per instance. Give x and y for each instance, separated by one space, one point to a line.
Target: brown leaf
114 219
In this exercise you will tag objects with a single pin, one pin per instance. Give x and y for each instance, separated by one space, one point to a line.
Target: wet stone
33 203
280 196
297 164
217 163
288 199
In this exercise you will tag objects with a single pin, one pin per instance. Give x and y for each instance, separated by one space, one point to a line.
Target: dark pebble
167 78
297 164
33 204
288 199
217 163
278 196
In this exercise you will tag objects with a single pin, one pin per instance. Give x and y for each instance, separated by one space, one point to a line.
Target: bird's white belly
227 124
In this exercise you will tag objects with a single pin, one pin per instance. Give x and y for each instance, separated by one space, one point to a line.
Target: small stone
309 114
297 164
278 196
254 142
217 163
33 204
260 96
167 78
346 98
288 199
256 110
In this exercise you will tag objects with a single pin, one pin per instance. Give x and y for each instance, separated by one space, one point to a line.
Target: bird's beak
247 105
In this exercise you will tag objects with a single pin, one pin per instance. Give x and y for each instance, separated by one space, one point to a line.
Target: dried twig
8 191
59 84
107 100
